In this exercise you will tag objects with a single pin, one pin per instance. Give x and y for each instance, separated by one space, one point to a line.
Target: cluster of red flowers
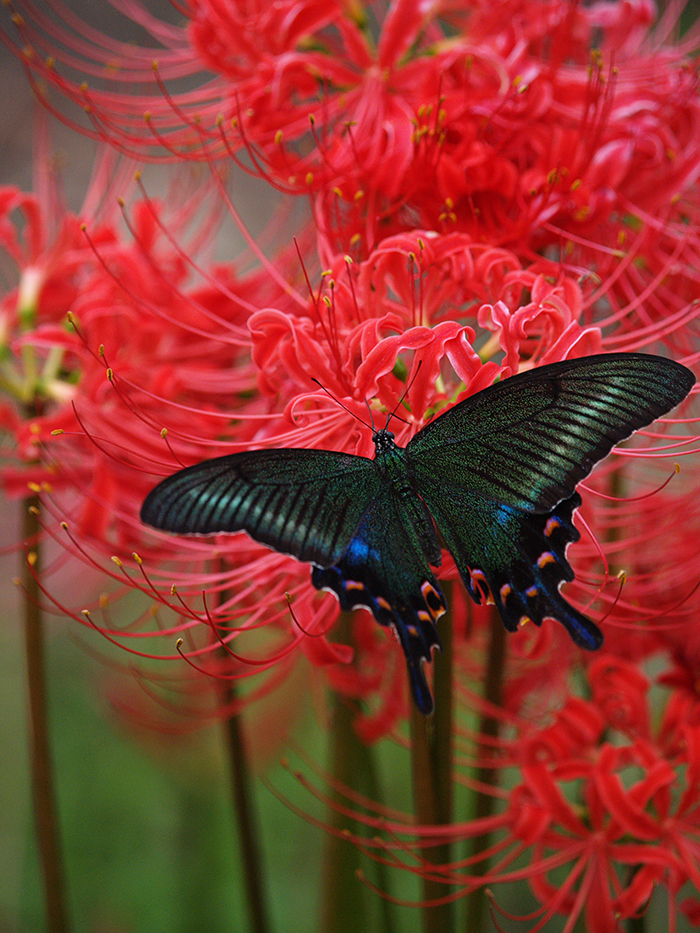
487 194
603 809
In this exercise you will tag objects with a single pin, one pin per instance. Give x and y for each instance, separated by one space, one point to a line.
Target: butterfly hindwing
385 569
521 563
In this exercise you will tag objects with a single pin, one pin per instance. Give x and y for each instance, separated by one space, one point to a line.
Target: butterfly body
495 475
390 552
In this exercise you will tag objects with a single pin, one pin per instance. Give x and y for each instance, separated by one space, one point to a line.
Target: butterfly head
383 441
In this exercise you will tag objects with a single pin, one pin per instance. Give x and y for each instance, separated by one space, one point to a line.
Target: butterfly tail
417 647
414 625
582 630
532 590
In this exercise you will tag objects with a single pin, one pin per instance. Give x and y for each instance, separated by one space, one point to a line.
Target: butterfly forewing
529 440
301 502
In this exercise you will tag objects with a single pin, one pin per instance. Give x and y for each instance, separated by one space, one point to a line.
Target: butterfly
495 475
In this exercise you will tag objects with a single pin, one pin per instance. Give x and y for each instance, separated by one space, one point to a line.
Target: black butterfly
496 475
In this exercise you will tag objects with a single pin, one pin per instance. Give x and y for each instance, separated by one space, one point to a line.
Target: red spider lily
656 559
485 118
93 315
634 824
159 353
358 336
154 356
483 133
507 202
137 354
602 801
108 339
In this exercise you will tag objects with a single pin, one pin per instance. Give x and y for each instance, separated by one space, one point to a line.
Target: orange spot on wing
433 600
478 579
551 526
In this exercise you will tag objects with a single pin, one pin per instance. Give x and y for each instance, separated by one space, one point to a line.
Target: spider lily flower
406 117
597 818
209 368
83 297
363 359
633 830
156 356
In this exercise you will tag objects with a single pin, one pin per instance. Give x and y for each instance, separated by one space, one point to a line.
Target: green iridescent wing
306 503
337 511
498 473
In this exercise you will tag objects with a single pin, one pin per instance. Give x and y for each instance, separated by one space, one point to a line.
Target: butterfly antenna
392 414
348 410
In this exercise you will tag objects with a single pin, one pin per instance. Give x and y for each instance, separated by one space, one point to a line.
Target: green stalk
246 820
345 906
43 789
245 810
343 897
431 765
485 803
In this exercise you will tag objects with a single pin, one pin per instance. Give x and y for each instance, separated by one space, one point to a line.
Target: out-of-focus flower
89 311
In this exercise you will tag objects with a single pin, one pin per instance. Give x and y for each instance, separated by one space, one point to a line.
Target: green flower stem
343 907
617 490
484 803
42 772
243 800
346 904
431 760
246 817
